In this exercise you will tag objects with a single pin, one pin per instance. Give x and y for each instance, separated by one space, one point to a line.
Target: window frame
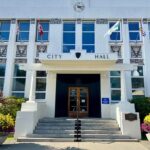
85 32
22 31
63 31
134 31
120 31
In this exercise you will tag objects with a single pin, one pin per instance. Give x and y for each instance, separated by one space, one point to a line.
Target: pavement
13 145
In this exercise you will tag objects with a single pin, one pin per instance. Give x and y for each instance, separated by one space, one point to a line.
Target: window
115 86
23 31
40 85
68 36
138 83
4 30
2 77
149 29
88 36
19 80
116 35
134 32
45 27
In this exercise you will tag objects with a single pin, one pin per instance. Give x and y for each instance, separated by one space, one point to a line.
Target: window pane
19 73
2 70
67 48
89 48
40 96
137 83
88 27
133 26
115 82
45 26
138 93
140 70
4 36
18 84
88 38
115 36
115 95
69 27
41 73
113 23
23 36
40 84
44 37
1 84
5 26
134 35
24 26
69 38
114 73
18 94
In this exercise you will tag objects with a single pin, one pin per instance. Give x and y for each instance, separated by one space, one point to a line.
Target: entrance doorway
78 101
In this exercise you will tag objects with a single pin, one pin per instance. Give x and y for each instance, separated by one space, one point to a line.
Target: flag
40 29
115 27
141 29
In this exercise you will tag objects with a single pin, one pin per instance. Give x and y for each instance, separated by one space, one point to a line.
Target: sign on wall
105 100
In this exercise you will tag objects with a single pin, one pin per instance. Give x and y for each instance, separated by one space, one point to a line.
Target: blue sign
105 100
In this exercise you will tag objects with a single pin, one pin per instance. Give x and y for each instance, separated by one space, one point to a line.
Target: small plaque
130 116
105 100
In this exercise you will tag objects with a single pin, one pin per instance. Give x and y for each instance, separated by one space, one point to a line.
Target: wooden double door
78 102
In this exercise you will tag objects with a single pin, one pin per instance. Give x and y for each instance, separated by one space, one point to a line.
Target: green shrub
10 106
142 105
6 123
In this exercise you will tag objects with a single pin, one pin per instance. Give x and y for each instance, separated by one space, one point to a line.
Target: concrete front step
39 131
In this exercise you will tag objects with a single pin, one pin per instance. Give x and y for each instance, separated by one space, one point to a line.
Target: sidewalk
12 145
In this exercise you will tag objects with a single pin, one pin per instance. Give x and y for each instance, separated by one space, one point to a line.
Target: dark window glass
19 73
140 70
88 27
138 93
89 48
67 48
40 95
114 73
24 26
4 25
4 36
115 95
44 37
115 82
88 38
18 94
69 27
18 84
133 26
41 73
40 84
69 38
137 83
2 70
23 36
115 36
1 84
134 36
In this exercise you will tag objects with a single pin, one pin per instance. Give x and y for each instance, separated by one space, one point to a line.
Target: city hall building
74 65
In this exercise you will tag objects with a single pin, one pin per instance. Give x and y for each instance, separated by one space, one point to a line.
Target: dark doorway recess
91 81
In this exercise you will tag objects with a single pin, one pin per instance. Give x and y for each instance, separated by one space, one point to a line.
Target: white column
11 52
123 87
126 55
51 93
32 86
78 44
30 54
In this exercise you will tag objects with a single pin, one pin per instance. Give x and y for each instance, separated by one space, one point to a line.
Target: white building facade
72 67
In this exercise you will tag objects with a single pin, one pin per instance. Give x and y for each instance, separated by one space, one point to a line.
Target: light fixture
135 73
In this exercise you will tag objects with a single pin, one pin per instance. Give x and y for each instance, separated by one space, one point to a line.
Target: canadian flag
40 29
